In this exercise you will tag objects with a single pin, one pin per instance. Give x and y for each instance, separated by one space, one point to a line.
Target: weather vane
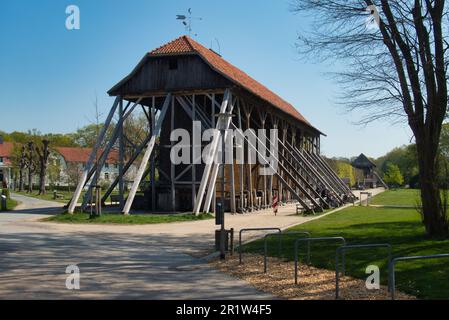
187 21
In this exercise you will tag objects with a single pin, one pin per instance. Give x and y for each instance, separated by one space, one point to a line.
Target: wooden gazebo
371 179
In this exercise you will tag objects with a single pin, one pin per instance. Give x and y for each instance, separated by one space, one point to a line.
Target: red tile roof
82 154
6 149
6 152
185 44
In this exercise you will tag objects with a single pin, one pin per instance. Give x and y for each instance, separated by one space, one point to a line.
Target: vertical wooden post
214 124
147 155
284 139
121 184
225 123
193 153
274 123
232 173
248 111
91 159
172 166
241 166
263 118
214 148
153 166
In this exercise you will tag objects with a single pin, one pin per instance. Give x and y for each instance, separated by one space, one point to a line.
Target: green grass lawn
11 204
110 218
398 197
402 228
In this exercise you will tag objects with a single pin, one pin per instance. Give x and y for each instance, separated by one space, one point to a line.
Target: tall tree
393 176
43 155
31 166
22 166
397 69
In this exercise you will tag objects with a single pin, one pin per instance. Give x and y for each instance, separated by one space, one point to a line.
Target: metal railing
308 258
392 265
248 230
280 235
341 250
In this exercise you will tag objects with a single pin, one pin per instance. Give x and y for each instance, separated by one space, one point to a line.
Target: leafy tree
86 137
43 154
345 170
73 173
54 170
405 158
393 176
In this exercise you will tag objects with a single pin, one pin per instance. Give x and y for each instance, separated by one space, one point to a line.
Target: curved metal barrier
280 234
312 240
396 260
252 229
341 250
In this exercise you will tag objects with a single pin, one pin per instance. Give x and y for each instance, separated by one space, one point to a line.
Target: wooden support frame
214 149
299 176
281 179
247 110
216 166
153 157
121 157
128 165
332 173
147 155
312 172
83 179
96 171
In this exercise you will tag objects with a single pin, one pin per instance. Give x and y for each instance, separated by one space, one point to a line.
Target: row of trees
32 151
28 159
400 166
405 158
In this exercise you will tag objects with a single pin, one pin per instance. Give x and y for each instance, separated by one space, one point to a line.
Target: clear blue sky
50 76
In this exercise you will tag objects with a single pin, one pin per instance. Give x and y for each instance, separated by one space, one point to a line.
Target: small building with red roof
72 161
6 150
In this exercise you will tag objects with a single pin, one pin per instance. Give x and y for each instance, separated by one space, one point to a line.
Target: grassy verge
110 218
66 196
10 204
398 197
402 228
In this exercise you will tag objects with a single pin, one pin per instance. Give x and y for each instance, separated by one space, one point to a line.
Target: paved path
127 262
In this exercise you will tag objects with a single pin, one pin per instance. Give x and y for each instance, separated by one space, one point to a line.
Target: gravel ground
314 284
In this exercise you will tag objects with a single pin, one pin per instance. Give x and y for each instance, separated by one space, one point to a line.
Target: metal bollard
3 203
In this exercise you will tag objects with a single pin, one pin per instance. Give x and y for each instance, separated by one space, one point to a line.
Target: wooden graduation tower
182 82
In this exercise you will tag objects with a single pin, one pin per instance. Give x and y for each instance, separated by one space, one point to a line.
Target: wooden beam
121 184
224 125
208 166
126 167
172 165
241 166
153 156
105 153
194 112
91 159
280 178
147 155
